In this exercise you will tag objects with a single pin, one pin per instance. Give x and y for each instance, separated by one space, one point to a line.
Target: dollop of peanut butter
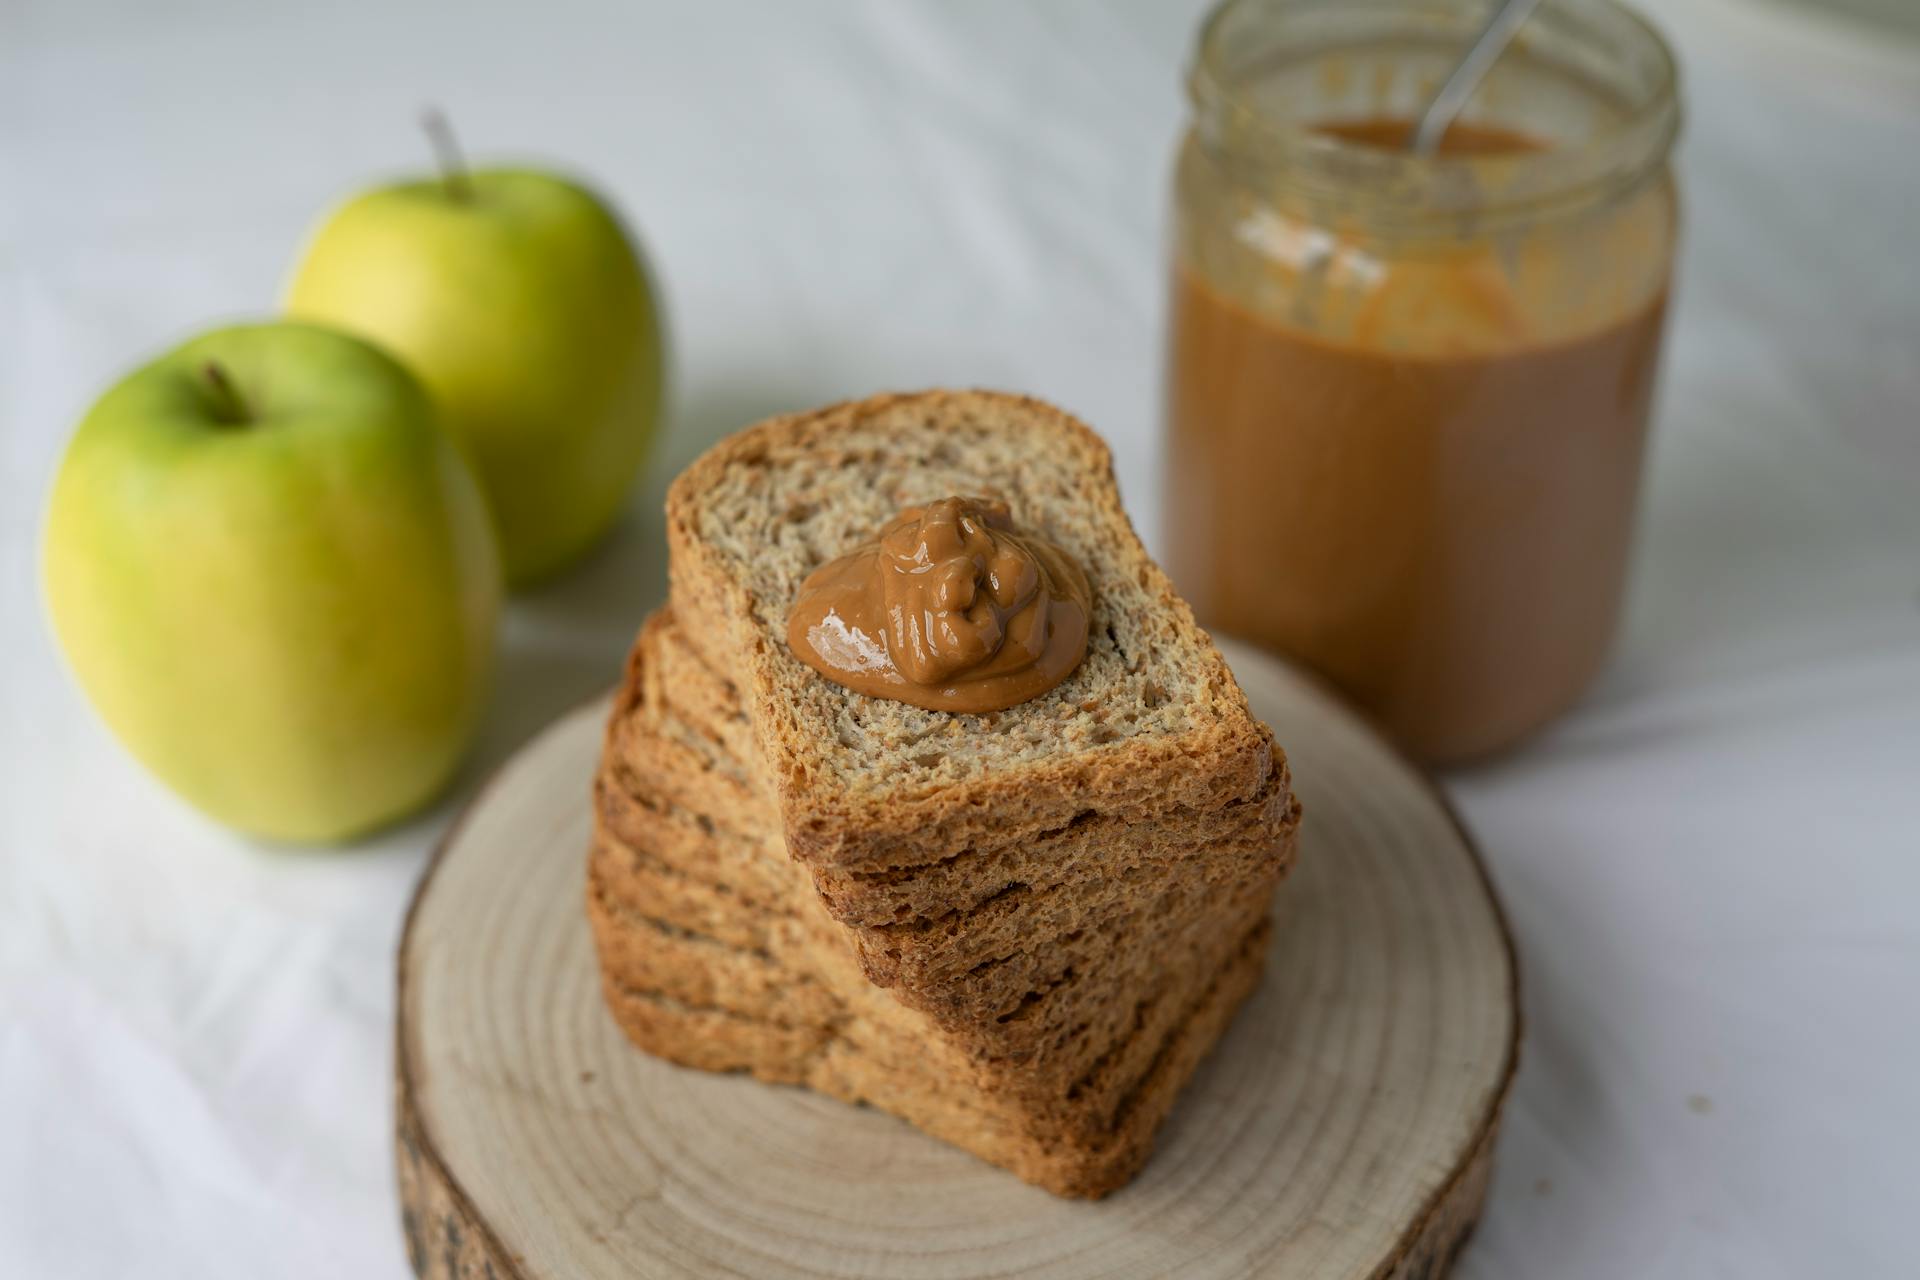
951 608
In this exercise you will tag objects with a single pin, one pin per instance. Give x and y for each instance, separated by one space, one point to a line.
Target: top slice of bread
1151 720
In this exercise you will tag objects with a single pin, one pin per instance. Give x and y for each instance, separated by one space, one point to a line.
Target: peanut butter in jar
1408 396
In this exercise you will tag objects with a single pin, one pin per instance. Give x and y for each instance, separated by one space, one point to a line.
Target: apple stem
453 167
228 405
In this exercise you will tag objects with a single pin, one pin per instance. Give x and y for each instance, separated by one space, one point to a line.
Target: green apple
274 576
523 306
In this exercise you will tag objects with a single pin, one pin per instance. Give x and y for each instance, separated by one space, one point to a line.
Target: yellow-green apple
521 303
274 576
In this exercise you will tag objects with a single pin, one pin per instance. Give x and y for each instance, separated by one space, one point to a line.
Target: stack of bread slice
1022 930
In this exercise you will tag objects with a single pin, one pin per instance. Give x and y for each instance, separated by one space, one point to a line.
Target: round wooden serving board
1342 1128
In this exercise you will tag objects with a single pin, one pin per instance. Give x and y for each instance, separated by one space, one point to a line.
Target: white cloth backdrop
1713 867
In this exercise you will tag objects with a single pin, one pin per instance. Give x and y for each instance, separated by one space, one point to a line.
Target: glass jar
1408 397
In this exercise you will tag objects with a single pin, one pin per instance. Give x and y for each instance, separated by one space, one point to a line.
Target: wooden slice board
1343 1128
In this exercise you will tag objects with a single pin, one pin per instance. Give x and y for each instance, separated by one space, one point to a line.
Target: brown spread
1420 480
951 608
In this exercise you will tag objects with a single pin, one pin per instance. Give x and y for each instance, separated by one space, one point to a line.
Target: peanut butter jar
1407 397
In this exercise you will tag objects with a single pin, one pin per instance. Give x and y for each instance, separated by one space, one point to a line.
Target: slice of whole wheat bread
1152 719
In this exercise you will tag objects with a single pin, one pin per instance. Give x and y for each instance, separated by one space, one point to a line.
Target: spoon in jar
1468 72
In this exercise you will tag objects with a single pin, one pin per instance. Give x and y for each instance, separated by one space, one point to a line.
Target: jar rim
1619 153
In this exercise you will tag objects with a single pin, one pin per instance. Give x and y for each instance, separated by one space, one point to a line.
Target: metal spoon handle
1473 65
